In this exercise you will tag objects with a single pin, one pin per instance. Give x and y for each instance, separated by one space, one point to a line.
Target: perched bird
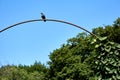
43 17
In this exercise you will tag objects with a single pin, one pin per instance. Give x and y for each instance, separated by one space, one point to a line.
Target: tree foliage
111 31
106 59
22 72
68 61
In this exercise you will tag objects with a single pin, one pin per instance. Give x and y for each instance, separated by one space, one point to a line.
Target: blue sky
30 42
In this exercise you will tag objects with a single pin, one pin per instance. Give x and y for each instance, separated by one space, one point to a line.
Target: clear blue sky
27 43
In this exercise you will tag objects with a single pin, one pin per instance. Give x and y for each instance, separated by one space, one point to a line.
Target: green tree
37 71
67 62
105 61
36 76
12 73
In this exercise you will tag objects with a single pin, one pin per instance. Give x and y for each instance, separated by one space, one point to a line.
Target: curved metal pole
47 20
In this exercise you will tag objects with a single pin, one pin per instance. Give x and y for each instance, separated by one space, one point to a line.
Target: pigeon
43 17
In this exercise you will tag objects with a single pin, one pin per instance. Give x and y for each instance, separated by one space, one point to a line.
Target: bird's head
41 13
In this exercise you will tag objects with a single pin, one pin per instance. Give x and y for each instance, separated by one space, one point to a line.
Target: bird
43 17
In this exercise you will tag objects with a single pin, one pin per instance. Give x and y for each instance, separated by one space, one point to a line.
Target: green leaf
102 38
108 69
96 46
111 43
107 48
118 46
94 40
116 52
118 76
104 62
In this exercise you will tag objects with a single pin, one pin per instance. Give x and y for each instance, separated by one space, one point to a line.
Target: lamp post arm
54 20
19 24
72 25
